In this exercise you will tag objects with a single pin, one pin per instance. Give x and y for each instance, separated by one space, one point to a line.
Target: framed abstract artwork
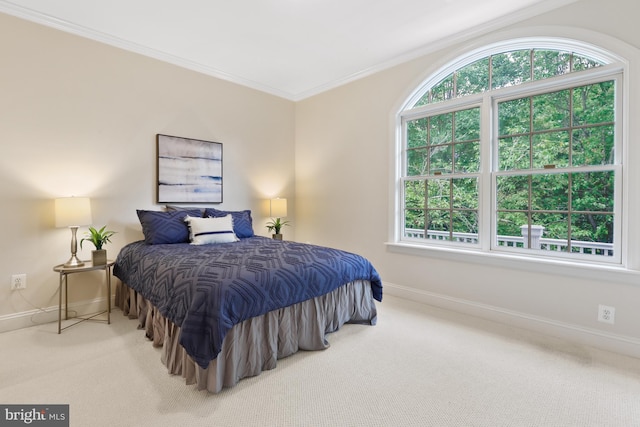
188 170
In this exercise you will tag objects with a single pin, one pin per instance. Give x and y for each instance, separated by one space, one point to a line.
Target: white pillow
203 231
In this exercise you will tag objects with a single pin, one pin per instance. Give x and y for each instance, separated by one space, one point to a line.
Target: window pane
593 146
465 193
468 125
551 111
592 191
513 117
443 90
417 162
513 193
414 194
441 159
438 193
414 200
440 129
513 153
556 226
417 133
473 78
583 63
549 63
510 68
551 148
509 232
550 192
466 223
414 223
593 228
439 224
424 100
594 104
467 157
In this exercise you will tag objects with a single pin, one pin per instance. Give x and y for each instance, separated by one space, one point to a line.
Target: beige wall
344 180
79 118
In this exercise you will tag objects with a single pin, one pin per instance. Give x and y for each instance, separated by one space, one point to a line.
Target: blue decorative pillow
165 227
242 222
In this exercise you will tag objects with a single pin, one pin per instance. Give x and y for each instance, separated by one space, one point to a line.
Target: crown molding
108 39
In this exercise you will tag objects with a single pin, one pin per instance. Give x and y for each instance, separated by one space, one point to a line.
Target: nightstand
64 278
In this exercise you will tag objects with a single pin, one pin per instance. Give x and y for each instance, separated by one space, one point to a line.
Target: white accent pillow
204 231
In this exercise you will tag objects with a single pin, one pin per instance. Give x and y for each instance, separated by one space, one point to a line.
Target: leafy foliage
98 237
276 224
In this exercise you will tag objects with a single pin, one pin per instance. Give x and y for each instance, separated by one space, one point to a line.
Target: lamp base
74 261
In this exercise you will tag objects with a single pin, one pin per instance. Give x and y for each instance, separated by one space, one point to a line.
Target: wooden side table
64 278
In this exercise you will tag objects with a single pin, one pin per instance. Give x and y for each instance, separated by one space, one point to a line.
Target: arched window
516 148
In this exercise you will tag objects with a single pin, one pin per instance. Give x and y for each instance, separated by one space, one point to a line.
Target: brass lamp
73 212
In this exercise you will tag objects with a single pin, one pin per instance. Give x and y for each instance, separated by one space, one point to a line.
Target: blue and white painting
189 170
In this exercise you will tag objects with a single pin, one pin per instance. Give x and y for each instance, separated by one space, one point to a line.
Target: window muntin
550 149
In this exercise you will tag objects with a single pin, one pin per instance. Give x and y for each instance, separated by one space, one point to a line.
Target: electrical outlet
606 314
18 281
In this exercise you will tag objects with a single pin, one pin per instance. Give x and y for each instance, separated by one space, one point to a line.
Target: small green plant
276 224
98 237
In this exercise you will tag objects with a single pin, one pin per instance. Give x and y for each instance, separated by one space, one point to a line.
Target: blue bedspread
208 289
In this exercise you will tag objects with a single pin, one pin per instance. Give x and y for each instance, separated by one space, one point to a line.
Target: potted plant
99 238
275 225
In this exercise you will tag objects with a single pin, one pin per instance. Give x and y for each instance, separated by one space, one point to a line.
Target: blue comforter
208 289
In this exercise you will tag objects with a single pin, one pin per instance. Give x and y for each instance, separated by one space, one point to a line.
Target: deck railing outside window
545 244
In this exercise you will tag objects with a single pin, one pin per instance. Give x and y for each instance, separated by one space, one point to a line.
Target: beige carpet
419 366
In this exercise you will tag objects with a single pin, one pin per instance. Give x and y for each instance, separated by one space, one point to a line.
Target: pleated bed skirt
256 344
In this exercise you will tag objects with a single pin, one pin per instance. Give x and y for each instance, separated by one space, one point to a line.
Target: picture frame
188 170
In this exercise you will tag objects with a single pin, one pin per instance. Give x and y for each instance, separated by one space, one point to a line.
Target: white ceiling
289 48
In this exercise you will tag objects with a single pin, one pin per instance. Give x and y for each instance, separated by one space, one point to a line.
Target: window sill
593 271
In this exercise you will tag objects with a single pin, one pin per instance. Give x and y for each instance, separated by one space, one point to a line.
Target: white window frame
615 70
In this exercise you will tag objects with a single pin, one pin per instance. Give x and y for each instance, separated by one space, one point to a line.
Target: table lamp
73 212
278 208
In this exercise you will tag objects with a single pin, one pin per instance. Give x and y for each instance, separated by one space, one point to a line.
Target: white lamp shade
73 211
278 208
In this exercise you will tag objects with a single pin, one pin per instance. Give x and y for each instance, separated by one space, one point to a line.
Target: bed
225 304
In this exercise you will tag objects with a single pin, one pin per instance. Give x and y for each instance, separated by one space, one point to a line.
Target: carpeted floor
420 366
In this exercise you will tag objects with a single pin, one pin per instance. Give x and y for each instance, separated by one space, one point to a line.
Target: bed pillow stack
170 226
205 231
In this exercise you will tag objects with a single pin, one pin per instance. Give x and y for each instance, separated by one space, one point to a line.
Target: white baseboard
625 345
42 316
